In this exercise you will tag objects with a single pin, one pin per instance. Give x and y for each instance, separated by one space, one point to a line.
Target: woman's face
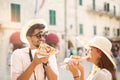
93 54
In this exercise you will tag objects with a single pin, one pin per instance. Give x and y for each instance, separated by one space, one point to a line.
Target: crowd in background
116 54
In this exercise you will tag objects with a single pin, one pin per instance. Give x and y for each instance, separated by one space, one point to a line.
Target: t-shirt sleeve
53 64
103 75
16 65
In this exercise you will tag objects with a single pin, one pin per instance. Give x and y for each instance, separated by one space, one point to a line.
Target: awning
15 38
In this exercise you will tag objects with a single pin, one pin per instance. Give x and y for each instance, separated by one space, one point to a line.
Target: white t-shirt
20 60
102 74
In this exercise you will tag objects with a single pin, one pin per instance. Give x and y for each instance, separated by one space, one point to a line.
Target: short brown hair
33 27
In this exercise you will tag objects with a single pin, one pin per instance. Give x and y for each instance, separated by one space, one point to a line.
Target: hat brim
28 26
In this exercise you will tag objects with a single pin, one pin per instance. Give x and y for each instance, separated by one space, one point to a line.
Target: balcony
100 11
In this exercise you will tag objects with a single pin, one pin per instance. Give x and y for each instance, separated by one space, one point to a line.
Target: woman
99 53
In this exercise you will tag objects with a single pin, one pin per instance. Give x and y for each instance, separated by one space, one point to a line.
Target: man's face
38 36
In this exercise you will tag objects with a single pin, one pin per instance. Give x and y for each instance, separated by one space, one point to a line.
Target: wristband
76 76
45 64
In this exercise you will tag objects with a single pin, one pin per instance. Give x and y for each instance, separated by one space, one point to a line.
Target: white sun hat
28 26
99 42
104 45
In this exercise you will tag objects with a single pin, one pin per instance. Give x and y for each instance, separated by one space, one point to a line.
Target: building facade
67 18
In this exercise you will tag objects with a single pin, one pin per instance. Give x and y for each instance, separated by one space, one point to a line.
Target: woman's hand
80 67
75 67
72 66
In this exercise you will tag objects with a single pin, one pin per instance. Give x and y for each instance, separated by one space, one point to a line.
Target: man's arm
51 68
51 75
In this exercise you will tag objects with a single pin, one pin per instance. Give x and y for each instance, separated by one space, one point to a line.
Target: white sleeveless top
102 74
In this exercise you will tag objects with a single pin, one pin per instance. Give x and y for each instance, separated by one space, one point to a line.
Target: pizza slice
79 58
75 57
45 49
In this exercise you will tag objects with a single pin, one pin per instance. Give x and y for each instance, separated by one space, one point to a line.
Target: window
81 28
114 32
94 30
80 2
118 32
106 7
15 12
52 18
114 10
94 4
106 31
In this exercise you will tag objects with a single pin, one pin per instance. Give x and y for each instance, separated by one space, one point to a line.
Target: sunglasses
40 35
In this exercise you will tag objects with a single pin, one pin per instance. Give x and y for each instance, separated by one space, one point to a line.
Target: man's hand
38 60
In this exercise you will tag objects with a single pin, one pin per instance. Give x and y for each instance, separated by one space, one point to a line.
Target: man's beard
37 46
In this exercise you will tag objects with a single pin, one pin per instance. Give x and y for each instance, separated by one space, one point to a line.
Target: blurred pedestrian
115 50
118 60
99 53
70 51
15 43
79 52
26 65
53 40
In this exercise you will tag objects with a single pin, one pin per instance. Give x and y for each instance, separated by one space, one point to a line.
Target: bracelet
45 64
76 76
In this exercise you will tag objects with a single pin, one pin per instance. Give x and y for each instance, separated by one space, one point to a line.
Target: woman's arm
75 68
81 69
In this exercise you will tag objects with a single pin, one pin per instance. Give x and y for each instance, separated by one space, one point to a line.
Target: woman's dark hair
104 62
33 27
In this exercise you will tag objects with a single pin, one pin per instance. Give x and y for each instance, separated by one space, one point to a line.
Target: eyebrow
41 32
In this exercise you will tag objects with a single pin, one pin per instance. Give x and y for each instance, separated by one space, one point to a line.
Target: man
26 65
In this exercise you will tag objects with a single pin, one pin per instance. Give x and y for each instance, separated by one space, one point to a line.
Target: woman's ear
98 50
